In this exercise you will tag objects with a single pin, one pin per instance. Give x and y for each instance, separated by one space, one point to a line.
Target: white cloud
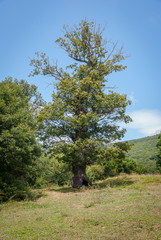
147 122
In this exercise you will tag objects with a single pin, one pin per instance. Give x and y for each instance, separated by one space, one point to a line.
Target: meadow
127 207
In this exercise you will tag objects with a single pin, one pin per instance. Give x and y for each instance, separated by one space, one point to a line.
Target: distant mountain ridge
144 151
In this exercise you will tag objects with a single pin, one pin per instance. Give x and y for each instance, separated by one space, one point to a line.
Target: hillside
144 151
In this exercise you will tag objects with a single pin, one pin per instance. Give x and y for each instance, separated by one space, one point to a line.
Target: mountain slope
144 151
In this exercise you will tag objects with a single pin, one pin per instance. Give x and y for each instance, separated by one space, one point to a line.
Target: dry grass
123 208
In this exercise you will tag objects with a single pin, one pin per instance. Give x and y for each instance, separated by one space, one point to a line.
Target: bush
95 172
116 166
142 169
129 165
49 171
18 190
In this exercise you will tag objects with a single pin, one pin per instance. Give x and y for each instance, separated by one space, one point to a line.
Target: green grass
123 208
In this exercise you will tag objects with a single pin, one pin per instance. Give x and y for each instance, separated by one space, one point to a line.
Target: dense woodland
70 140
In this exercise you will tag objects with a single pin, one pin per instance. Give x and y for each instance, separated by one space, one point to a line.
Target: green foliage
112 161
95 172
158 162
113 158
129 166
47 170
18 145
141 169
144 152
82 114
116 166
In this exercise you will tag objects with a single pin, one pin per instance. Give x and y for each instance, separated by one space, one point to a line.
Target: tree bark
80 178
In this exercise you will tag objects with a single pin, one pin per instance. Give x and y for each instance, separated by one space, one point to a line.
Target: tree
158 162
18 144
83 113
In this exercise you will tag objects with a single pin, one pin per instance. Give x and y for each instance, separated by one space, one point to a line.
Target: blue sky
27 26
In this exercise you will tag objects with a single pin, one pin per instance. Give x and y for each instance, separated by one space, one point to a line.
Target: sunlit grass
125 207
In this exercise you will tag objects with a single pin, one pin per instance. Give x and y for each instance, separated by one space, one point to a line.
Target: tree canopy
85 112
18 143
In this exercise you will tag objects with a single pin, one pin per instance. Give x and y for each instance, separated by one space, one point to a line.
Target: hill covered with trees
144 152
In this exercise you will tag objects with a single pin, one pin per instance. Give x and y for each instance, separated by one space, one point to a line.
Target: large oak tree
84 112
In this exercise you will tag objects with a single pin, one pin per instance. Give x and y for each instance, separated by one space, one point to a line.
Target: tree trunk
80 178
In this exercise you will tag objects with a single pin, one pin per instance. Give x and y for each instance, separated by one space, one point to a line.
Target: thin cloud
147 122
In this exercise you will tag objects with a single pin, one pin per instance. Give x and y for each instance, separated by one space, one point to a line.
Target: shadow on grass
35 195
31 195
114 182
111 182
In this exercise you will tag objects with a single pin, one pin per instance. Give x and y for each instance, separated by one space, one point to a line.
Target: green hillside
144 152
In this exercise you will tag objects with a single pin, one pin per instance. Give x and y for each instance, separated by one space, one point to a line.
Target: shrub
49 171
142 169
129 165
95 172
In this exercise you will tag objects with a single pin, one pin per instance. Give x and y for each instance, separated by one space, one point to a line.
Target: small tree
158 162
18 144
83 114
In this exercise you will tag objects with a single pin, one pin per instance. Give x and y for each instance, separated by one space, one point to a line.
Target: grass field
124 207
